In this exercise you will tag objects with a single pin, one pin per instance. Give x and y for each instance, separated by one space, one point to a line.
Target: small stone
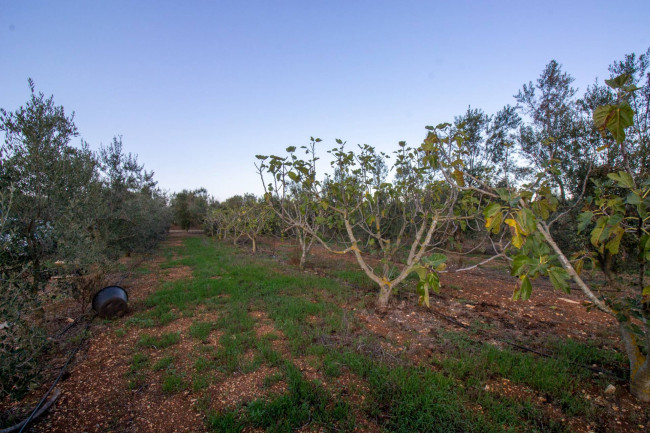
611 389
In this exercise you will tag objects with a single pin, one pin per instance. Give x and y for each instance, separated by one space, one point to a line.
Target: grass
173 383
163 363
160 342
305 310
201 330
305 402
136 376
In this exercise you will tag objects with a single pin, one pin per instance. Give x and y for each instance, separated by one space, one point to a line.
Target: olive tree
618 209
190 207
64 210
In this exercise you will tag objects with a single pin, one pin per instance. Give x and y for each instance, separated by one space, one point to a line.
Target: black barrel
111 301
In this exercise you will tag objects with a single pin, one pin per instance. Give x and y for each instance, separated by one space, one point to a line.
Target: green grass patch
201 330
163 363
305 402
161 342
400 396
138 362
173 383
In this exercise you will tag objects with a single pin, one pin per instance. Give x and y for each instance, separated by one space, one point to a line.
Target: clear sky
197 88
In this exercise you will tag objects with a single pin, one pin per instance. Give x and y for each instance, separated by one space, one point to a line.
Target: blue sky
198 88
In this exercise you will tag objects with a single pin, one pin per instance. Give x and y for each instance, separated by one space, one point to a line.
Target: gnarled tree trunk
639 365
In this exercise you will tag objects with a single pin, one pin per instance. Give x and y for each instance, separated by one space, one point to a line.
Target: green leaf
526 288
526 220
291 149
623 118
622 178
599 231
644 248
424 297
421 271
433 280
518 264
633 198
615 242
491 210
602 115
559 278
614 118
584 219
293 176
618 82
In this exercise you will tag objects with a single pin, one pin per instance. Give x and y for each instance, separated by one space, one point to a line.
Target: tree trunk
382 300
639 365
303 257
254 245
640 382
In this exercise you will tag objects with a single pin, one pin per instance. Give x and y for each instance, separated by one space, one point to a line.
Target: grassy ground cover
324 371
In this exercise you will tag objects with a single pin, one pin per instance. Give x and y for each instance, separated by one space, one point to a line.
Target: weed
201 330
173 382
163 363
138 362
142 322
199 382
272 379
202 364
165 340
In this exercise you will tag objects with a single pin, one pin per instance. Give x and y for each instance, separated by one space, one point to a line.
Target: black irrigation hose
67 328
56 381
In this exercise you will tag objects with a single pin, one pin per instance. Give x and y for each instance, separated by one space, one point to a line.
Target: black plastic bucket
111 301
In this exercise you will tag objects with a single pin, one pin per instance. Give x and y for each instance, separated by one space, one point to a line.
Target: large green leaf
599 232
559 278
618 82
602 115
633 198
526 288
622 178
623 118
614 118
584 219
520 264
527 220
